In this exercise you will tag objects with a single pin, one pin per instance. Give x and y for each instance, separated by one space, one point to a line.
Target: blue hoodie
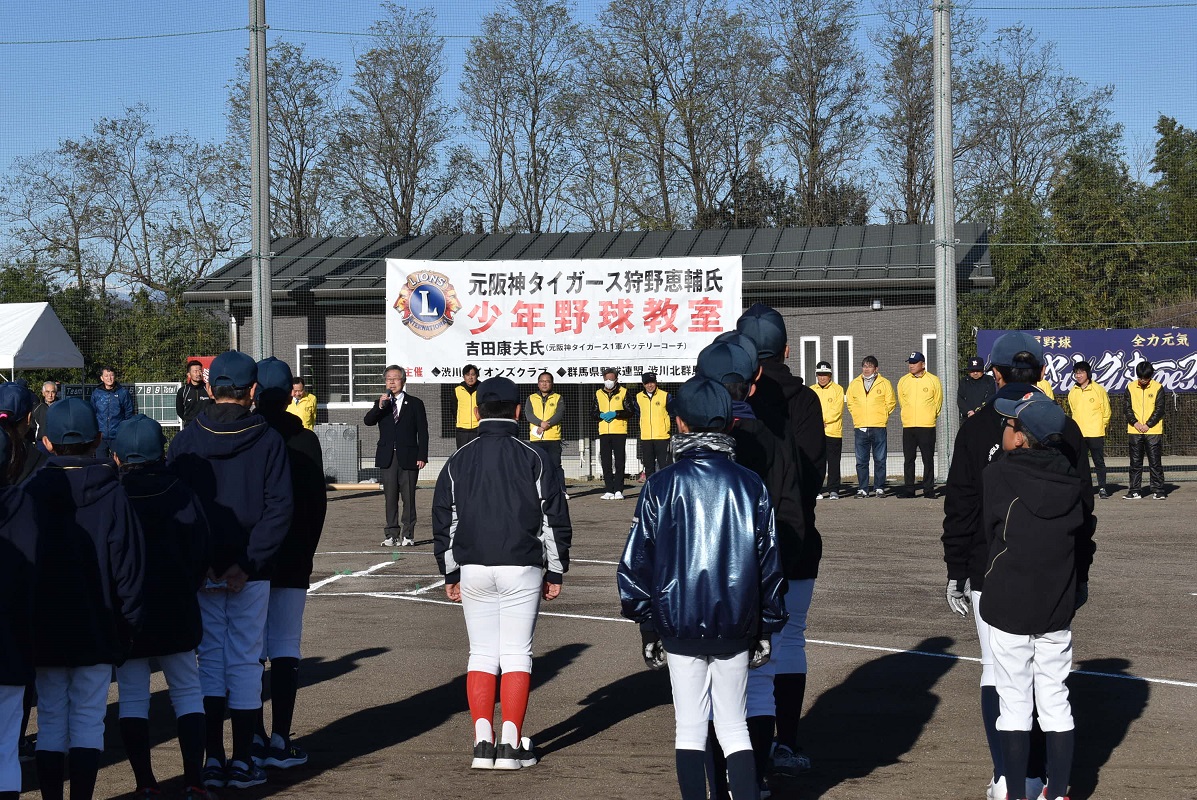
239 468
90 564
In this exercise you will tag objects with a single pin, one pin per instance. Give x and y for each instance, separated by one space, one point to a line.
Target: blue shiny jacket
701 564
112 408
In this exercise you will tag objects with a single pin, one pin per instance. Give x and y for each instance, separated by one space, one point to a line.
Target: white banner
570 317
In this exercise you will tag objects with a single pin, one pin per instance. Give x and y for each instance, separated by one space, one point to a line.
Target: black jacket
407 439
176 560
495 504
972 394
18 548
239 468
979 443
293 565
90 564
190 400
776 462
1040 543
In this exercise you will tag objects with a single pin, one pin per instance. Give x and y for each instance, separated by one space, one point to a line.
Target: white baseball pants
234 626
789 651
71 702
500 605
284 623
987 676
702 684
11 706
1030 676
182 681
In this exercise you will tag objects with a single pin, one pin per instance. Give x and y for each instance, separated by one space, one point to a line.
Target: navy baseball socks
990 709
1059 762
135 734
692 774
52 767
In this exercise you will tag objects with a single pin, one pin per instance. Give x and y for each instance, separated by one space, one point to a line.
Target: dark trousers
551 449
1097 452
613 456
400 485
1154 445
835 449
654 455
922 440
465 436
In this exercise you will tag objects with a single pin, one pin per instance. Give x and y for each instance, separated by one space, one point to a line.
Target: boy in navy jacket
239 468
88 595
176 553
701 575
18 542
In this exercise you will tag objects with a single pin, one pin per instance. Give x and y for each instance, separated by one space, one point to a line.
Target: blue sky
54 90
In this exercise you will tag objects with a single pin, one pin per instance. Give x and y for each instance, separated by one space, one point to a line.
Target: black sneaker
1102 493
284 754
1159 496
27 750
244 776
213 776
507 756
1132 495
484 756
526 754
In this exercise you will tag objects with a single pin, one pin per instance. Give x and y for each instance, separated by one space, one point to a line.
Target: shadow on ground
1104 710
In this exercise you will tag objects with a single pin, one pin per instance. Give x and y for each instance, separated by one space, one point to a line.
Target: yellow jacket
539 407
831 400
871 409
654 419
612 402
1145 404
921 399
467 401
305 409
1090 408
1045 386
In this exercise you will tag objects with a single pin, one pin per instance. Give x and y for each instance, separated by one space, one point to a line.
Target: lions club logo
427 303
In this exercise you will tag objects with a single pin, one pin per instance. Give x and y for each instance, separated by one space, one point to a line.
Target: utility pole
945 234
259 162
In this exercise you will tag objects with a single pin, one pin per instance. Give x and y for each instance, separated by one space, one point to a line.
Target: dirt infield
892 708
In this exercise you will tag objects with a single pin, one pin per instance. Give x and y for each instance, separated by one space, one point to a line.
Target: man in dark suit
402 452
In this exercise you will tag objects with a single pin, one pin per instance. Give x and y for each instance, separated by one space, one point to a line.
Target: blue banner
1113 355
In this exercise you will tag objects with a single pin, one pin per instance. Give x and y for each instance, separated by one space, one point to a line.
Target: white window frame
802 341
299 348
842 380
930 337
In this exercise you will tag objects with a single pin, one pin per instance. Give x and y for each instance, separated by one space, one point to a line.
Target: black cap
975 365
648 377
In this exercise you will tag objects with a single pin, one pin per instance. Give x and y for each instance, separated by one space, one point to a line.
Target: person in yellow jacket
1045 386
466 400
612 409
921 397
831 400
870 399
1089 404
544 413
303 404
649 407
1145 426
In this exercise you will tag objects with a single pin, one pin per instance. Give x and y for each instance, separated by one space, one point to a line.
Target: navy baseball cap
16 400
1042 418
766 328
739 340
975 365
725 362
3 450
498 390
915 357
1008 345
139 441
233 368
703 403
274 374
71 421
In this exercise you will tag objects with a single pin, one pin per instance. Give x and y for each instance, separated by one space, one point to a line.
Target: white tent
32 337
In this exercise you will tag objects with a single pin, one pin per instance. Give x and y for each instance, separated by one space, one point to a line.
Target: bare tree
387 157
821 94
302 100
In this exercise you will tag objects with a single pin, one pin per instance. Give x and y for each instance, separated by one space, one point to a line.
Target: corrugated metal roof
839 256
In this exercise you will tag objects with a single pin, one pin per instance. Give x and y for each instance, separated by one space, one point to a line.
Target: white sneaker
607 496
389 542
862 492
617 496
565 495
833 495
407 541
996 789
880 493
821 496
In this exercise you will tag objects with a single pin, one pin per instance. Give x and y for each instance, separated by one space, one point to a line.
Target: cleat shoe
617 496
862 492
527 753
507 756
785 761
484 756
1132 495
1159 496
996 789
407 541
244 776
214 776
389 542
284 754
607 496
257 750
1103 494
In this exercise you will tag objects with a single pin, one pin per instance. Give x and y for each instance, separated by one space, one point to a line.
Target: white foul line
876 648
357 574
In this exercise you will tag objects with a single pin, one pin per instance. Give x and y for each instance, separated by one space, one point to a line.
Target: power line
136 37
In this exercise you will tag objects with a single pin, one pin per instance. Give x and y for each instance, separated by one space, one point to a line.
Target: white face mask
608 385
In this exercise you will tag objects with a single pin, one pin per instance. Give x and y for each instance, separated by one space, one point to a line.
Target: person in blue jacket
89 577
18 543
112 405
176 552
238 466
702 576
